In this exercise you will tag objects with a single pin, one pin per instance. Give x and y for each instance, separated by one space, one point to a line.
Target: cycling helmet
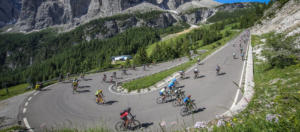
190 96
128 109
176 91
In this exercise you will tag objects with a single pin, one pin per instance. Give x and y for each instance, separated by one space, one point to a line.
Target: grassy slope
19 89
153 79
13 91
277 92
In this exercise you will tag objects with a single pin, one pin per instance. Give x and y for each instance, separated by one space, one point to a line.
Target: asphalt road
58 107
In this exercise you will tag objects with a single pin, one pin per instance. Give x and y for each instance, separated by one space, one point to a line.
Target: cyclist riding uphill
124 116
99 95
187 100
171 85
162 92
181 74
174 80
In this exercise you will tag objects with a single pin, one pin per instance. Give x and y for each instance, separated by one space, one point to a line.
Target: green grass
13 129
98 129
19 89
256 40
153 79
13 91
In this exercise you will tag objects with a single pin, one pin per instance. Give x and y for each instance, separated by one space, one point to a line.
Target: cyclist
162 93
124 116
187 101
171 85
242 56
218 69
75 84
234 55
174 80
199 61
104 78
196 72
179 95
82 75
99 95
181 74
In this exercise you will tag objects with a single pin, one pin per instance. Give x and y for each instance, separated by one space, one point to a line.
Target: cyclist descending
99 95
196 72
198 61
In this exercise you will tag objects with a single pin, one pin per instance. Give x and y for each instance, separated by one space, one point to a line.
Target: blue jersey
171 85
186 99
173 80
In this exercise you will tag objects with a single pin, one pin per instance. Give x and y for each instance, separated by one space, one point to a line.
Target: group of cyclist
244 39
112 77
171 89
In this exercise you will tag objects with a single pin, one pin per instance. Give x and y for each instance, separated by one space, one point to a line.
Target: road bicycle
191 108
133 124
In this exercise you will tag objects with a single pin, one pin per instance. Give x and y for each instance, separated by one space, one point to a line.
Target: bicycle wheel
159 100
194 107
175 103
120 126
184 111
135 124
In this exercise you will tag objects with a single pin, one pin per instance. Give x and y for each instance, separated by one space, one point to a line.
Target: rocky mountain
285 19
36 14
9 11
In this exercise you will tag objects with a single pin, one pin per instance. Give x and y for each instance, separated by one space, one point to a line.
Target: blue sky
235 1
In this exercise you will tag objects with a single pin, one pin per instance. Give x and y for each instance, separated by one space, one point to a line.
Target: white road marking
29 98
24 110
27 125
36 93
26 104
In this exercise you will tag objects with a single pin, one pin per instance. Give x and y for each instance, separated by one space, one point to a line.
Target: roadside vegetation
44 55
14 129
275 105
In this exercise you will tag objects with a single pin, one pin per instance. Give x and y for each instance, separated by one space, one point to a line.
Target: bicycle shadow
222 73
87 79
199 110
83 91
146 124
84 86
110 102
198 77
182 86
